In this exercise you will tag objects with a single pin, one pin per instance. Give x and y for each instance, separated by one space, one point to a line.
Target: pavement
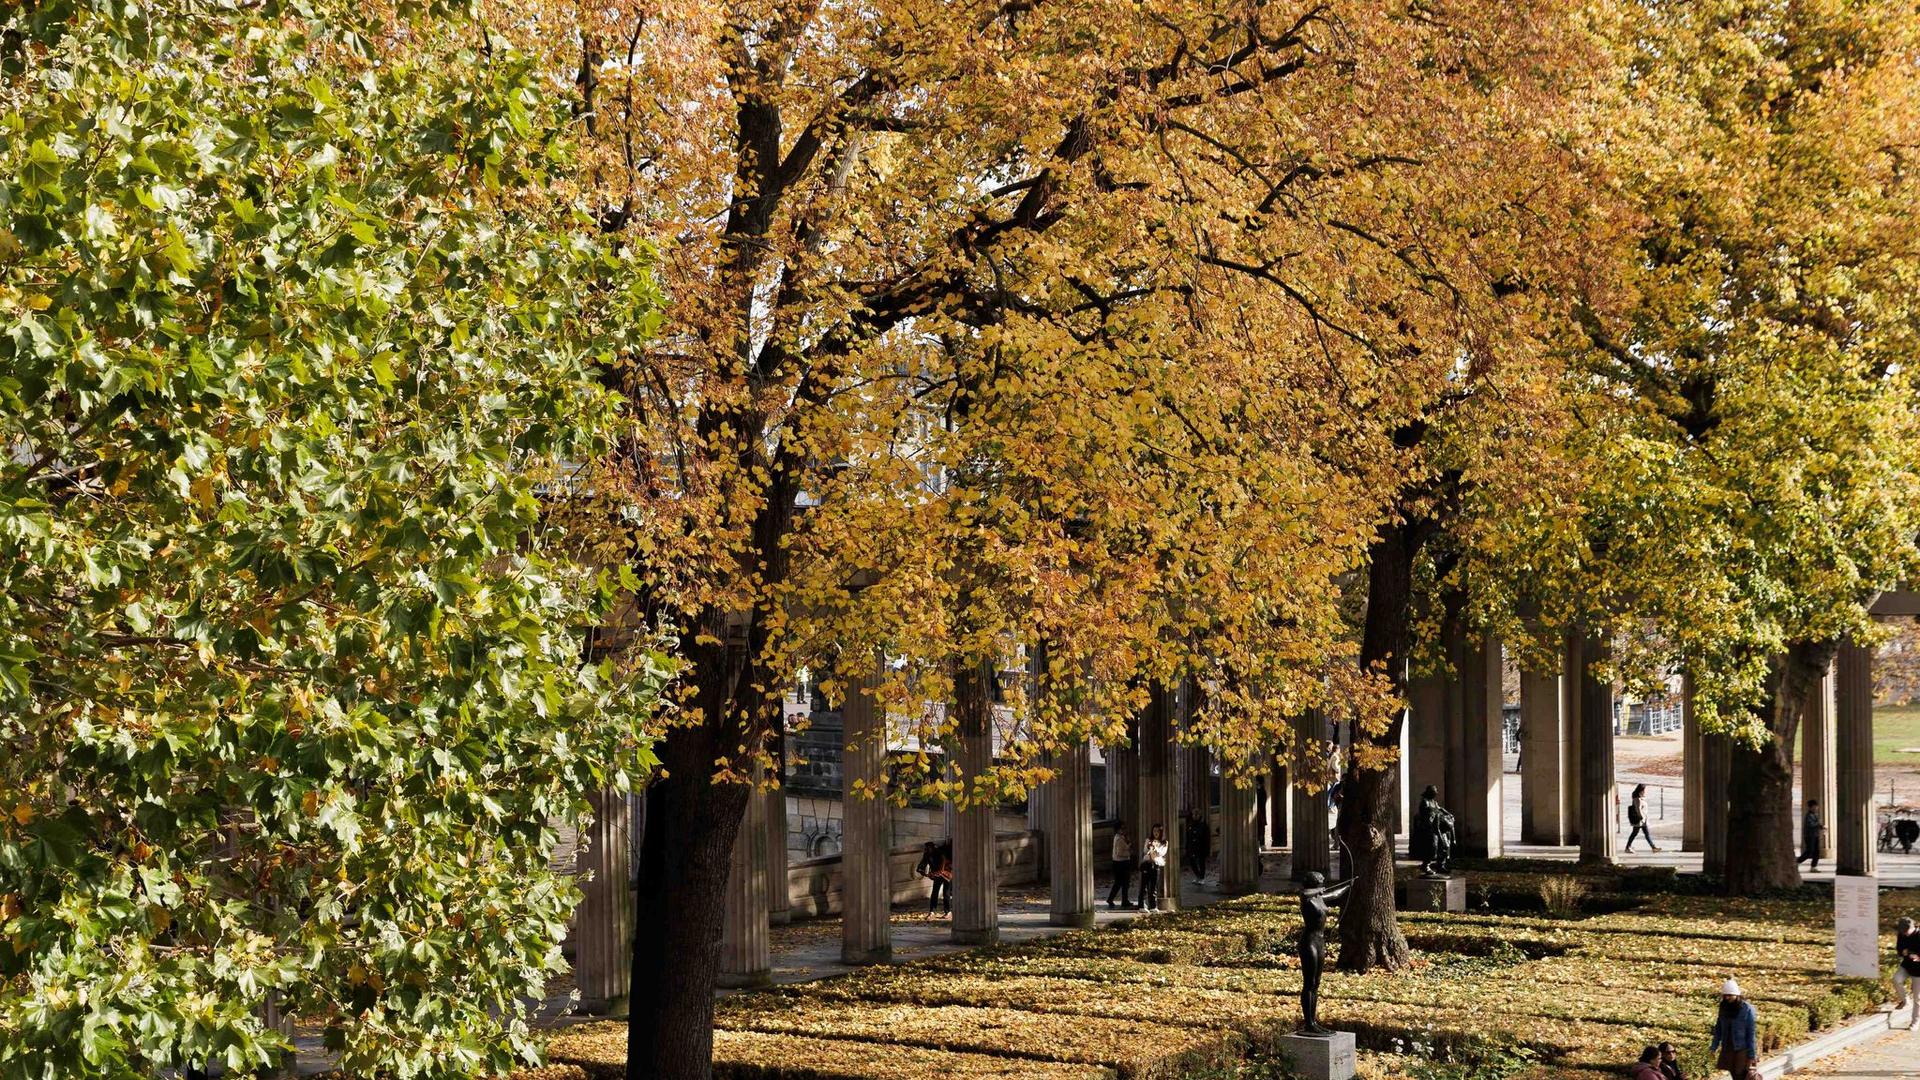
1895 1054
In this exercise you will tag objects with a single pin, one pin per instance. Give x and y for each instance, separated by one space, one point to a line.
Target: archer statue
1433 836
1314 895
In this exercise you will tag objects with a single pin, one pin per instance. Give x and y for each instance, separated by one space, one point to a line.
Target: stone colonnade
1453 741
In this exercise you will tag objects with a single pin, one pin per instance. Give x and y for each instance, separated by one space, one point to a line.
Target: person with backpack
1810 829
1637 817
1906 972
1736 1033
936 865
1122 855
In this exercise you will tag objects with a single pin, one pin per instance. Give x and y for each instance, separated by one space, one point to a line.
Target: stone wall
813 885
814 824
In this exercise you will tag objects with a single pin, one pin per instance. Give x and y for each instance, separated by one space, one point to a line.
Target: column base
780 918
976 937
744 980
612 1008
882 954
1081 919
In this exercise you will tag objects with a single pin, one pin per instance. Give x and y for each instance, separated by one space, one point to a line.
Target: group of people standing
1151 862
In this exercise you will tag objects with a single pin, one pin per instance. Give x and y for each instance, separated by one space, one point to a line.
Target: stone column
1596 755
1279 803
1853 820
1819 775
745 959
1123 786
779 899
1427 717
1070 839
1040 822
976 851
603 927
1542 757
1573 732
1312 846
1160 787
1716 767
1693 812
1481 801
1239 844
866 833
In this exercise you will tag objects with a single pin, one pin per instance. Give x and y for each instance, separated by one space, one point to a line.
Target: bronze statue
1314 895
1433 836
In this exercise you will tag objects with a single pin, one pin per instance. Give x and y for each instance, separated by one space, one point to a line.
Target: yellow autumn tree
1097 325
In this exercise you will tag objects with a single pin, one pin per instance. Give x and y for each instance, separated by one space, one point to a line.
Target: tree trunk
1760 824
1370 934
692 824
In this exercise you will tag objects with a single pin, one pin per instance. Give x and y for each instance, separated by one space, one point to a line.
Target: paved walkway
1895 1054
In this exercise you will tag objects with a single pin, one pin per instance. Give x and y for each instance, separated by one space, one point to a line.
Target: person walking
936 865
1735 1033
1670 1063
1648 1067
1637 817
1153 867
1199 844
1122 855
1906 973
1810 828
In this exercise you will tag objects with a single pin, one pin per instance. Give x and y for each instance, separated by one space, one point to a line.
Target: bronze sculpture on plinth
1314 895
1433 836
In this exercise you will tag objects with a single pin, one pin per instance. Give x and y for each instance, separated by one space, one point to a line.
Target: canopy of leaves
296 341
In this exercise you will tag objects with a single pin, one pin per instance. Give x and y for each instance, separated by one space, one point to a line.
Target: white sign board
1856 926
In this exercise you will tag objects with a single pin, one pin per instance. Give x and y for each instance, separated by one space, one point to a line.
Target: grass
1895 728
1512 989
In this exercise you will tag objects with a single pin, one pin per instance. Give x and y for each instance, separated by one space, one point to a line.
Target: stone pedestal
866 934
1070 839
603 927
1435 894
1320 1057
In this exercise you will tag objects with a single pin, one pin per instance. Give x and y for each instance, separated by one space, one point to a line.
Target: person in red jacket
1648 1067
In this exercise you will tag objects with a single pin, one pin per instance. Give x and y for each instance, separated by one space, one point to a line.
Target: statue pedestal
1435 894
1320 1057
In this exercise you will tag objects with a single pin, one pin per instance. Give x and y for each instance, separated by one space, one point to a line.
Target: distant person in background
1810 827
1907 831
1906 973
1670 1063
1153 867
1637 817
936 865
1122 853
1648 1067
1199 844
1519 747
1736 1033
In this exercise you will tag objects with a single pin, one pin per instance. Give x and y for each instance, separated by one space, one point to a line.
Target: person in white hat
1736 1033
